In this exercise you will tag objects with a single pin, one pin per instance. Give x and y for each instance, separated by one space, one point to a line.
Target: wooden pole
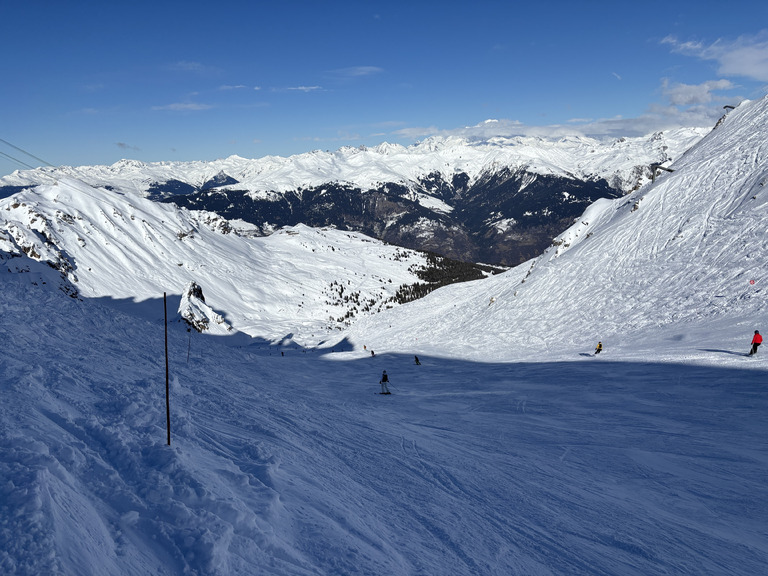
167 387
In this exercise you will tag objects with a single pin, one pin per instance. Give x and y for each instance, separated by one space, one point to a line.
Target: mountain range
498 201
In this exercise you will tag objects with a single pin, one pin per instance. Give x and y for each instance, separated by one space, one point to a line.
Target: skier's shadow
722 351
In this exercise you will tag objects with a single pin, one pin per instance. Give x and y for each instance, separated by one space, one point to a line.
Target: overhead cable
24 152
17 160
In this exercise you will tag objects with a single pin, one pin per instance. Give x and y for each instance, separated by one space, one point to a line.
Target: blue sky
91 82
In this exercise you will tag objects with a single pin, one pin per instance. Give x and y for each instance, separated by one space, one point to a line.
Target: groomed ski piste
511 449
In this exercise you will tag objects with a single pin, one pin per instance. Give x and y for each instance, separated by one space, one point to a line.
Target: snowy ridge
621 162
297 282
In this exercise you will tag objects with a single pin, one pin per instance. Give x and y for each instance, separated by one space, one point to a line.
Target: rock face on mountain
506 217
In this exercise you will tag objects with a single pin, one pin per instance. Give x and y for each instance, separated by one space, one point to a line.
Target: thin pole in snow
167 387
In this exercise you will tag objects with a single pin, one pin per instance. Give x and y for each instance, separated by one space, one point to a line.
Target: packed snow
510 449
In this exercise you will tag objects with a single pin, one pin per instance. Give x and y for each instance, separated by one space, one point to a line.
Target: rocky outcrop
197 314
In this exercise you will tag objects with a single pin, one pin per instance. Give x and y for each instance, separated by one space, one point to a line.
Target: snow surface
511 449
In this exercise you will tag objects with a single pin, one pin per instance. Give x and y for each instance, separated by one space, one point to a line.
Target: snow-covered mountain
498 201
298 283
623 162
692 247
510 449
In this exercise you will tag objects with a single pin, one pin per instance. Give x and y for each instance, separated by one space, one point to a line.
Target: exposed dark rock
506 217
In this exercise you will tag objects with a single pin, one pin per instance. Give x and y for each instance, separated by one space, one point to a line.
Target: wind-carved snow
501 224
527 180
433 203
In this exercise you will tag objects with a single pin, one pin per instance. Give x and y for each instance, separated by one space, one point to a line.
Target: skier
384 383
417 361
756 341
599 348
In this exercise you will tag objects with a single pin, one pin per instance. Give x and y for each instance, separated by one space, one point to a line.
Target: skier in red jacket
756 341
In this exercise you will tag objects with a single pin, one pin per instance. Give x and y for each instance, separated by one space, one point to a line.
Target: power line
16 160
23 152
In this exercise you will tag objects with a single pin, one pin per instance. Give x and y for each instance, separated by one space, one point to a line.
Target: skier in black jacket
384 383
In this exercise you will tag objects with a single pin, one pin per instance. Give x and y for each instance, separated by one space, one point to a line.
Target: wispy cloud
304 88
184 107
746 56
660 116
233 87
88 111
419 132
95 87
187 66
124 146
191 67
358 71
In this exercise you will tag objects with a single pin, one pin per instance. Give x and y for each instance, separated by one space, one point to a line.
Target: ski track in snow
295 465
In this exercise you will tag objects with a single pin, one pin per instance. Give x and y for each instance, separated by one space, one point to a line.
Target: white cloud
657 117
419 132
693 94
746 56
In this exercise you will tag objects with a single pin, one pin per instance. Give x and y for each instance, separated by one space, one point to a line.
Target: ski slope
293 464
